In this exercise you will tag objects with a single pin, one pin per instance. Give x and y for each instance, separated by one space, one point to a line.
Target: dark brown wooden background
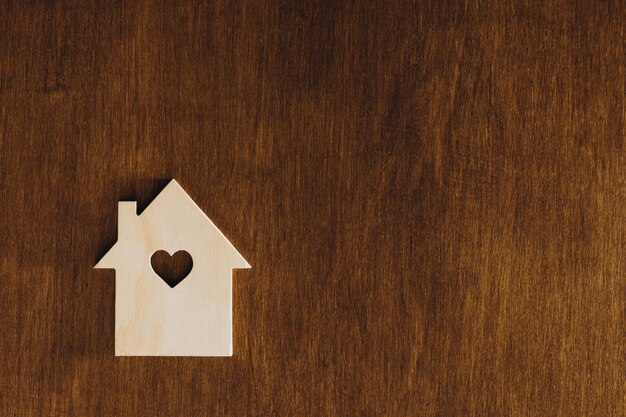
432 196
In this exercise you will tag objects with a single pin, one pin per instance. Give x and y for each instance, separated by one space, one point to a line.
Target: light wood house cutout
194 318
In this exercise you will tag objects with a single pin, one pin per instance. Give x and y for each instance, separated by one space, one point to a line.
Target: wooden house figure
194 318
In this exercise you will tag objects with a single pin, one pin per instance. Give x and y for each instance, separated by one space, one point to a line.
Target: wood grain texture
432 195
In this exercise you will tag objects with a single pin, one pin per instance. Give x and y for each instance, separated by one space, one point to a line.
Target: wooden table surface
432 196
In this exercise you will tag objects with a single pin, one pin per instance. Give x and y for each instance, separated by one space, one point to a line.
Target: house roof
176 220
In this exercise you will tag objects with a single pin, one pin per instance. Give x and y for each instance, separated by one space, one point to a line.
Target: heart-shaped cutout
171 268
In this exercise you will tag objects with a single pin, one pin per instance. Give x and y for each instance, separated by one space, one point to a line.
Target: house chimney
126 218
